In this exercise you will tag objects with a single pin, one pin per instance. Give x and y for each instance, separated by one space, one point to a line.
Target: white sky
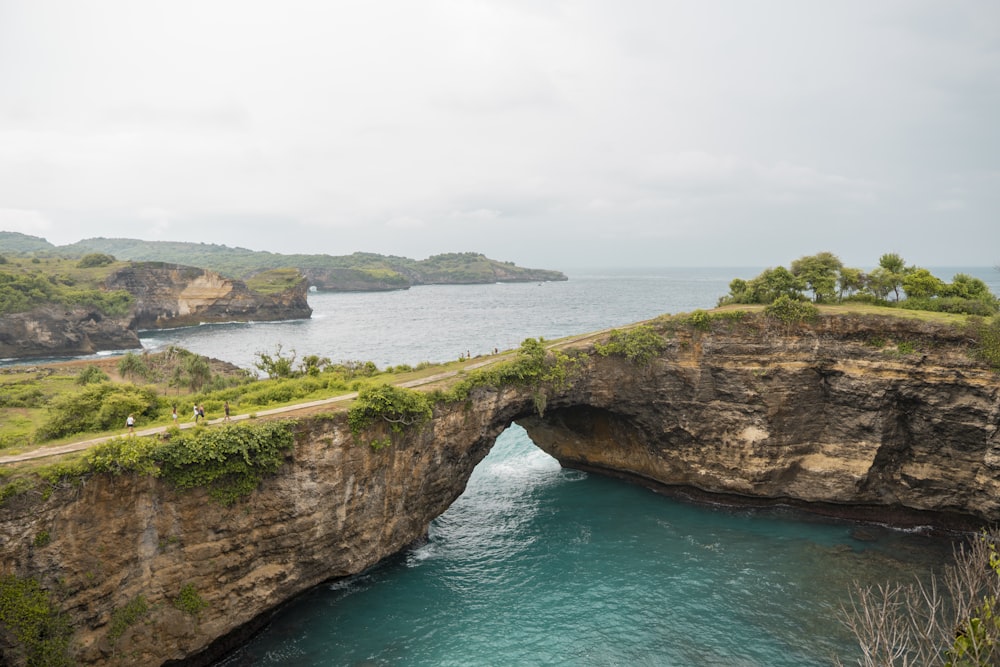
553 134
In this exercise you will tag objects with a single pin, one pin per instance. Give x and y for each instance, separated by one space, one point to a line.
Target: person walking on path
173 415
197 413
130 423
225 407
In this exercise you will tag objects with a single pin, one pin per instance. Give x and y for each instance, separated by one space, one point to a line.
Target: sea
539 565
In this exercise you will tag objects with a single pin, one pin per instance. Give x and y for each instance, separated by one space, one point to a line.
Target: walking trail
298 407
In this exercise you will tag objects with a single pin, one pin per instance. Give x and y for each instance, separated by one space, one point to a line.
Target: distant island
98 294
360 271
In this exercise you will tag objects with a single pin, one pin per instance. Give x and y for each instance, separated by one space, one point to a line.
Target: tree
133 365
966 287
276 366
198 371
850 281
819 272
890 272
921 284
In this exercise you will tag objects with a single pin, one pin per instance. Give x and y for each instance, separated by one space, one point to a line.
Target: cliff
163 295
57 330
171 295
841 416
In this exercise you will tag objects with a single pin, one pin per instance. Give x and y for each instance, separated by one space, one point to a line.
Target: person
130 423
197 413
201 411
173 415
225 407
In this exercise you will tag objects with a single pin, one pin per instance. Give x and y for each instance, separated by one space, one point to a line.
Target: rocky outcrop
165 295
840 416
55 330
170 295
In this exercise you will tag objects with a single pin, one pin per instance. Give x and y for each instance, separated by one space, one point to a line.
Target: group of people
199 413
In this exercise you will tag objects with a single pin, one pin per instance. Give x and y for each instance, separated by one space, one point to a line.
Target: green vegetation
189 601
789 311
98 407
891 283
228 460
40 631
95 259
26 284
533 366
275 281
125 617
987 335
639 344
379 271
91 375
396 406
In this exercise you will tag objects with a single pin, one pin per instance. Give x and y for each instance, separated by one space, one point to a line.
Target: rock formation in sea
839 416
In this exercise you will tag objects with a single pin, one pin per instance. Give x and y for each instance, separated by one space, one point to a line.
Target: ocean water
536 565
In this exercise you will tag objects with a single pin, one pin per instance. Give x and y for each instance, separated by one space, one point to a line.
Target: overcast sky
553 134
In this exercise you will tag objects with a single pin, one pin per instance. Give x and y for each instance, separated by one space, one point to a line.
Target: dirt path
286 410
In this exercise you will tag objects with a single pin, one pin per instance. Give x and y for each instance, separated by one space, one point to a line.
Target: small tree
277 365
132 365
891 274
819 272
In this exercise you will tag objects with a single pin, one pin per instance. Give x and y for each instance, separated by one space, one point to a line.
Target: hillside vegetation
380 271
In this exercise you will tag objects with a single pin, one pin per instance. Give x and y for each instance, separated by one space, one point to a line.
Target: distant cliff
170 295
160 296
884 418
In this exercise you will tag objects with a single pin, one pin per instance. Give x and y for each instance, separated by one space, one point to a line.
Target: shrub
91 375
396 406
230 461
41 632
95 259
127 616
988 346
639 344
189 601
98 407
790 311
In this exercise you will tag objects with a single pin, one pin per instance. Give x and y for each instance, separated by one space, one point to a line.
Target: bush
790 311
95 259
230 461
39 630
396 406
98 407
91 375
639 344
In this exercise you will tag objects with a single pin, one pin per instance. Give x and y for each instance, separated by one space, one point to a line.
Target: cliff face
165 296
818 415
169 295
59 330
828 414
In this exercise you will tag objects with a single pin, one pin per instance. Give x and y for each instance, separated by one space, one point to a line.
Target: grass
19 423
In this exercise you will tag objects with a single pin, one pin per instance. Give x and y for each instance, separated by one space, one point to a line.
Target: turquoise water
535 565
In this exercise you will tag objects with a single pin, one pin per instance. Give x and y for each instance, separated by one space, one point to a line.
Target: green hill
358 271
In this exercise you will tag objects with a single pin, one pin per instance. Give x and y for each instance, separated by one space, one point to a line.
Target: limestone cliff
170 295
54 330
839 413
